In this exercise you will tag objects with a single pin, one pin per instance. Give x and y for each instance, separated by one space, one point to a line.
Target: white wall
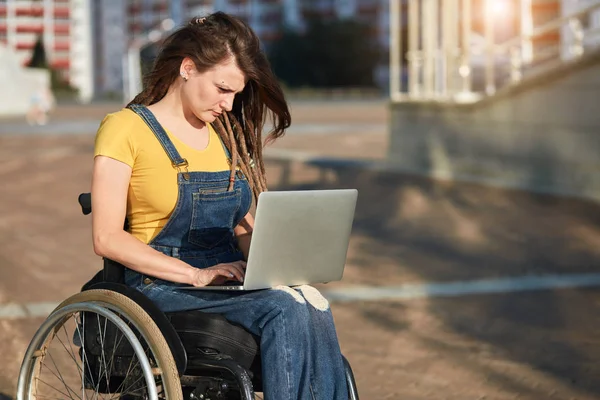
18 83
82 73
544 138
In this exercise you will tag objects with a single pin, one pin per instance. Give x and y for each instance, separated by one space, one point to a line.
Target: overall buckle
182 168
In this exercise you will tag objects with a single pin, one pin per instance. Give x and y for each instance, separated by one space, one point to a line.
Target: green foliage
61 87
38 58
329 54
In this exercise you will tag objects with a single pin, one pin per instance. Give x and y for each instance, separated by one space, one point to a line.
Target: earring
184 77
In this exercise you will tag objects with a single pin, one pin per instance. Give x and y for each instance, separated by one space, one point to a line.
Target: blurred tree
38 56
329 54
287 57
39 60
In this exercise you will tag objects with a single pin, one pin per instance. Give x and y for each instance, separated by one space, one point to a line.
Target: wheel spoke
70 351
38 397
102 355
59 376
120 389
83 352
132 385
114 350
48 372
52 387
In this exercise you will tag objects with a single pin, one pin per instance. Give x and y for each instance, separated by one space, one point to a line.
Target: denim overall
300 353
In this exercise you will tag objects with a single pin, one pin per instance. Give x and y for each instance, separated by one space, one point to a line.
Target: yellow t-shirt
152 193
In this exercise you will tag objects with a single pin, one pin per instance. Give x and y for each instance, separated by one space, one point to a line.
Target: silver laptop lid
300 237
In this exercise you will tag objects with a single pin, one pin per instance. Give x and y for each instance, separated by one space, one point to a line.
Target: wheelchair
111 341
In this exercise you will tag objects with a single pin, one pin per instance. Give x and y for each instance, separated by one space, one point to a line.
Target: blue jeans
300 353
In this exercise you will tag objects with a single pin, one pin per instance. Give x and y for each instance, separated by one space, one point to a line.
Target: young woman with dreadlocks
183 163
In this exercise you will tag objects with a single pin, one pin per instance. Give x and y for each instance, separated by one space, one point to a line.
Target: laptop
299 237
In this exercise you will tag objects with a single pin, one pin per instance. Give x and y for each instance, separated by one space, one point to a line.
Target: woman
164 163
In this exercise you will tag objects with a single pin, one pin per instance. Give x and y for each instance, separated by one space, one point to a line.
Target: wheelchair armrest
163 323
85 201
113 271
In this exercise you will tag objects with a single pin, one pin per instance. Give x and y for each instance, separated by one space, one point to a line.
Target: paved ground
511 345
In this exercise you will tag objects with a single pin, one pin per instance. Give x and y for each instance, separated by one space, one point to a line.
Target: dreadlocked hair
212 40
252 166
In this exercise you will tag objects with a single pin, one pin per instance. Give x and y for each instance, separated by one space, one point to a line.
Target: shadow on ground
410 229
538 345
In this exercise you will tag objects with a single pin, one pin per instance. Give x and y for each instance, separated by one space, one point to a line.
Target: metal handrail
445 70
547 27
513 45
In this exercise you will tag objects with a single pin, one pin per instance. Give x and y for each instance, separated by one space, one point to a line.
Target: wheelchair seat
201 343
191 333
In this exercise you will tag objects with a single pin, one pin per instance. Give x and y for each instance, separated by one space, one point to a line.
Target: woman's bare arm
110 183
243 232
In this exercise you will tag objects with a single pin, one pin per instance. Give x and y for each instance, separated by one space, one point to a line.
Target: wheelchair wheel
98 344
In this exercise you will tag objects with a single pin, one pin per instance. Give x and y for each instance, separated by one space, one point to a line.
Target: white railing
448 62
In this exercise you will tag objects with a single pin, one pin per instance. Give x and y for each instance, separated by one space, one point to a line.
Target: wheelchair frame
152 339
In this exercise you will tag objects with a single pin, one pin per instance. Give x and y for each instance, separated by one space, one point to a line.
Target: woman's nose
227 103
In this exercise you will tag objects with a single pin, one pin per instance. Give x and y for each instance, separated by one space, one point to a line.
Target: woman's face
210 93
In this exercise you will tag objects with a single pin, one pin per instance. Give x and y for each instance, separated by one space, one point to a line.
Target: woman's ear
187 67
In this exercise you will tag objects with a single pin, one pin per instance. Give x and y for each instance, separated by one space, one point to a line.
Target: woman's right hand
219 274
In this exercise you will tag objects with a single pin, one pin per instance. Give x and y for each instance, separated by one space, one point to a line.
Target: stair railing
447 70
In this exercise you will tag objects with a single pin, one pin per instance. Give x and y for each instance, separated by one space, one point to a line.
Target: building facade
23 22
61 25
87 41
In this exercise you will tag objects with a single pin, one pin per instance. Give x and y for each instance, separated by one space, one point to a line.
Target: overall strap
227 153
150 120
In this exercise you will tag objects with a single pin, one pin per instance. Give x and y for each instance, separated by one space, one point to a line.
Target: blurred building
22 22
110 39
63 25
86 41
267 17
